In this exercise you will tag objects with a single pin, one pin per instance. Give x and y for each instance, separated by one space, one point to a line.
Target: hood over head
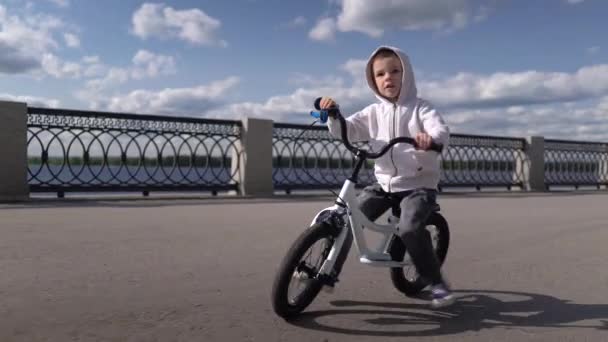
408 83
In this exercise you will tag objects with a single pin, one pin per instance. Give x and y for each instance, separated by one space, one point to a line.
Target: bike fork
330 261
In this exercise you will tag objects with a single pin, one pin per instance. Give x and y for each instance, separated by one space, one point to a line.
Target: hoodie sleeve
357 126
433 123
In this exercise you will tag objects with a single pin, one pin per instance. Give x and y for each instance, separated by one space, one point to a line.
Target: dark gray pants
414 206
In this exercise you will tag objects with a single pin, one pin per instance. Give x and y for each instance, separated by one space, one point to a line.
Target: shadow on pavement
474 310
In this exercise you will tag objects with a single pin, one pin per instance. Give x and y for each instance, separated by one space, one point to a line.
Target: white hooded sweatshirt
403 167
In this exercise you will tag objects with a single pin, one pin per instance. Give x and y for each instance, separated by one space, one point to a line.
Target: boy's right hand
328 103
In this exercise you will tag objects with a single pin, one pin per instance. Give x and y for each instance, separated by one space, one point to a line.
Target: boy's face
387 75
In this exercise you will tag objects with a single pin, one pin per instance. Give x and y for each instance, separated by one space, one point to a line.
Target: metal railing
77 151
310 157
92 151
575 163
478 161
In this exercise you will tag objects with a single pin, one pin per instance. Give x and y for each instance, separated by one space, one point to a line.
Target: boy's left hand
424 141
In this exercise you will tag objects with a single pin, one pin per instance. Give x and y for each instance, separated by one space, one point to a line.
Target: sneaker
441 295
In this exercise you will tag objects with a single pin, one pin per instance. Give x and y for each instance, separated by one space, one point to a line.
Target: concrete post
13 150
535 171
255 159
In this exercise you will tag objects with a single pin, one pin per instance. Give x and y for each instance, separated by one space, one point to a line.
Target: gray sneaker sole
447 301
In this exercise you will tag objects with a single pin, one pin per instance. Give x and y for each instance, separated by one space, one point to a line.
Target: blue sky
497 67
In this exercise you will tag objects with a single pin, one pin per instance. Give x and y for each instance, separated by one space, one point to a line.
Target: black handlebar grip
436 147
318 103
333 111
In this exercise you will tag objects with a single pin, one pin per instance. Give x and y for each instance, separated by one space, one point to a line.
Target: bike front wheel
406 279
297 283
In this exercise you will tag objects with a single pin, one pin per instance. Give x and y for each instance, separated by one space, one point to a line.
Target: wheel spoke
308 268
304 268
297 282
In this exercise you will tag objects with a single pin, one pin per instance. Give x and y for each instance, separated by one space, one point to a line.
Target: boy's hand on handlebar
328 103
424 141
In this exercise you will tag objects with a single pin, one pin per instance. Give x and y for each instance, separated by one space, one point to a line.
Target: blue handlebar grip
322 115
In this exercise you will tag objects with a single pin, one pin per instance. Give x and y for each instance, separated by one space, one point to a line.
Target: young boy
404 174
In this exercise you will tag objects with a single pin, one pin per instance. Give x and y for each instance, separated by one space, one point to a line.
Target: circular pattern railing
478 161
575 163
94 151
311 158
91 151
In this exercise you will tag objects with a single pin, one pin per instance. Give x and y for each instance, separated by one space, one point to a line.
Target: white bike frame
356 222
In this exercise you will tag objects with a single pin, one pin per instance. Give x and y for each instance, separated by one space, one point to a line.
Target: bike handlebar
335 112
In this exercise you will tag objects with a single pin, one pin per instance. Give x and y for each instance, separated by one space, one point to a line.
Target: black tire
412 285
281 302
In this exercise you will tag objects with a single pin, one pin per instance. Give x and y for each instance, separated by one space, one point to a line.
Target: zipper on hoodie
390 180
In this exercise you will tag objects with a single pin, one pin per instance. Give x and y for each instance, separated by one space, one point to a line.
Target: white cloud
27 44
356 69
33 101
61 3
580 122
173 101
90 59
54 66
574 2
92 66
23 42
161 21
71 40
603 104
296 106
149 65
553 104
466 90
44 22
297 22
145 65
375 17
567 105
324 30
482 14
277 108
463 91
593 50
555 121
113 76
14 60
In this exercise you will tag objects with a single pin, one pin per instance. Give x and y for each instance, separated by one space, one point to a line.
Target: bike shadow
473 310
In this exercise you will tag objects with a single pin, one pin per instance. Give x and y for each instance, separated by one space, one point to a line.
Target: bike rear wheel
296 283
406 279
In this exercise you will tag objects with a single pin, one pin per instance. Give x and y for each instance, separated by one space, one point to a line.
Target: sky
495 67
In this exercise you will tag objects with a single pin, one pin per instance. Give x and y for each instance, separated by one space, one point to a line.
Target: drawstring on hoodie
393 148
